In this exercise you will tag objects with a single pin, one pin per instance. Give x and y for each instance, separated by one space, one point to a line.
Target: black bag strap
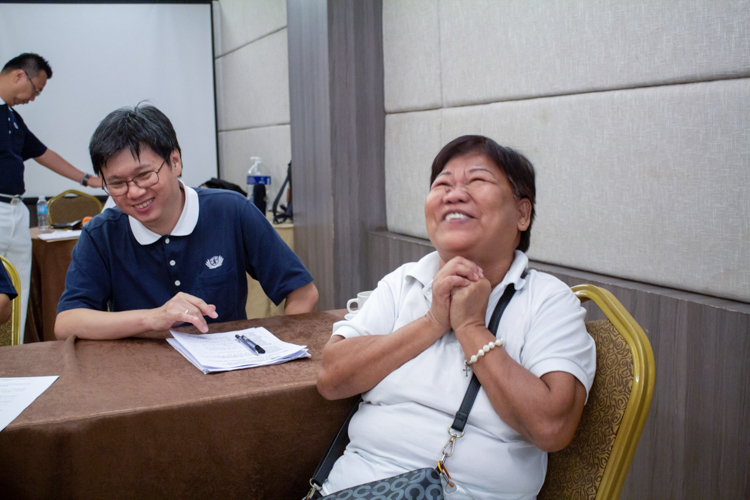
471 393
336 449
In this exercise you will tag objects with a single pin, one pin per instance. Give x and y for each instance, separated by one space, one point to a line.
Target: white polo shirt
402 423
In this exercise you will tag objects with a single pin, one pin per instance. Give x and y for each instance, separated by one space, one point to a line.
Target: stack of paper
219 352
60 235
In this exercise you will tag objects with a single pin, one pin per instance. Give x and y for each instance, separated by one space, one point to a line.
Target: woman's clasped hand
457 274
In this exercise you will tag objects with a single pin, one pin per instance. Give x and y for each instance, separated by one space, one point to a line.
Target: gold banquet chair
71 206
10 331
595 463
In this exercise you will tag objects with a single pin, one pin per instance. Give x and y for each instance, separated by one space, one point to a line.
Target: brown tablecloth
49 266
134 419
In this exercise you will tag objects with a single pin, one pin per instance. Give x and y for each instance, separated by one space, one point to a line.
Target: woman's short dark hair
516 167
132 129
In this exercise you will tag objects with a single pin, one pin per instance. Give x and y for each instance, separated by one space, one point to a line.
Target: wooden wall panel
338 139
695 443
358 138
307 32
389 250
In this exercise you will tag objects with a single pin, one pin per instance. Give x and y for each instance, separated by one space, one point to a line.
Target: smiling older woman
405 350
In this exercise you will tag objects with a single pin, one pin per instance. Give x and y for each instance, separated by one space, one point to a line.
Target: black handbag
420 484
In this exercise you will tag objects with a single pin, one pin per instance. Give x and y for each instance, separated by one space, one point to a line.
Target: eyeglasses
36 90
143 181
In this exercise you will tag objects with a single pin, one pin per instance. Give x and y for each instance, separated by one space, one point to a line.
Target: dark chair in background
72 206
10 331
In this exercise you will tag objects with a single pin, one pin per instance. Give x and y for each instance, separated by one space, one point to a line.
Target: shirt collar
517 272
424 272
2 102
185 225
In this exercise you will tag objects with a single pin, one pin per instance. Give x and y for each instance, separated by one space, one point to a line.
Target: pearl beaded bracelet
484 350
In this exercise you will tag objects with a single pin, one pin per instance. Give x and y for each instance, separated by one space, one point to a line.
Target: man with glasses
22 79
168 254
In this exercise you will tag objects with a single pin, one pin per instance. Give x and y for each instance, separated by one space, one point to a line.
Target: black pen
255 348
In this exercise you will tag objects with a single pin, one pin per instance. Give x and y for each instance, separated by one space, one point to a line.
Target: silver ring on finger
187 311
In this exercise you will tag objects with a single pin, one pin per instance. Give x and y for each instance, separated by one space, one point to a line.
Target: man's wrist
149 320
85 179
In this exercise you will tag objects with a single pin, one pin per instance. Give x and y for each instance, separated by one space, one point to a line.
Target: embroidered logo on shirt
215 262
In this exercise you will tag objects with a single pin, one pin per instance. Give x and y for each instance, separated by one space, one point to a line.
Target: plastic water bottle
42 215
258 178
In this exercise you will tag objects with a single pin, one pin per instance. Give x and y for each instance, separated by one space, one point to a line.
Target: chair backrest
10 331
71 206
595 463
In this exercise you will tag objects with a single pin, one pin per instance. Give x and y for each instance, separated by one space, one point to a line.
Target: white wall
635 114
252 74
107 56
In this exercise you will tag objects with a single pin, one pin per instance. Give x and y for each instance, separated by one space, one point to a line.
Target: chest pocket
219 287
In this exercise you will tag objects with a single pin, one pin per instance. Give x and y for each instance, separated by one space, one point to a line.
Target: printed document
218 352
62 234
17 393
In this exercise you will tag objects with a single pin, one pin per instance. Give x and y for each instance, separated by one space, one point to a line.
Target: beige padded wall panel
649 184
496 51
411 55
240 22
273 144
411 142
252 84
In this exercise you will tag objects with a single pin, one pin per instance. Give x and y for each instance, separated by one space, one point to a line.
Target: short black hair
32 64
132 129
516 167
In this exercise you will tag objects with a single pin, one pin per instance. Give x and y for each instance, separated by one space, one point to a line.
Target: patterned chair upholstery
10 331
595 463
71 206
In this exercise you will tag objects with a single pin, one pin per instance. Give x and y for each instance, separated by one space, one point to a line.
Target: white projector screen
105 56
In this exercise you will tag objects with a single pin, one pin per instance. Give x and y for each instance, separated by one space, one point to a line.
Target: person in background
168 254
408 348
7 294
22 79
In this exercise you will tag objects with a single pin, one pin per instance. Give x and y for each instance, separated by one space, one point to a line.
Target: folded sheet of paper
17 393
60 235
220 352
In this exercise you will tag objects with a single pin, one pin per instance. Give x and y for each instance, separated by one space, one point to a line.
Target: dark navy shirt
110 268
6 285
17 144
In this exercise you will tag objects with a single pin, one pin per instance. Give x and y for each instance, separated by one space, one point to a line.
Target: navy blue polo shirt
6 285
111 268
17 144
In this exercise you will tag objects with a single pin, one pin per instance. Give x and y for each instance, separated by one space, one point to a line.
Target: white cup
360 301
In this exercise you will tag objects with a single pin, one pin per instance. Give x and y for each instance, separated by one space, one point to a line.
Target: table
133 419
49 266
